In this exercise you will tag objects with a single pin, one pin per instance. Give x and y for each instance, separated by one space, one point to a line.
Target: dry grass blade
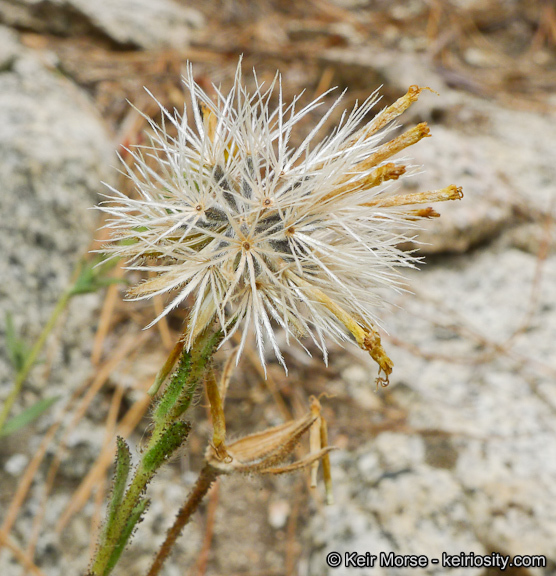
269 383
96 520
162 324
110 300
227 373
31 470
200 567
81 495
292 547
20 555
127 345
109 430
38 457
109 433
325 82
25 483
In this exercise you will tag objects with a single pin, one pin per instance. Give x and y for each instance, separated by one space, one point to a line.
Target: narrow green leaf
175 387
202 352
27 416
171 439
188 375
121 473
133 240
18 351
93 276
125 536
167 367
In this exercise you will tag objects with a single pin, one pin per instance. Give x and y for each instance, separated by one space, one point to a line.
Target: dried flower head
264 452
258 233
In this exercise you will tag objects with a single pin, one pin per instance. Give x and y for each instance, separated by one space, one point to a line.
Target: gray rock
44 16
475 470
485 210
55 151
8 47
143 23
139 23
503 158
504 161
411 511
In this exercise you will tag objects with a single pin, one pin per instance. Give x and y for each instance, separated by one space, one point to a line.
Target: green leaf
121 473
18 350
130 240
94 275
27 416
125 536
172 438
176 386
187 377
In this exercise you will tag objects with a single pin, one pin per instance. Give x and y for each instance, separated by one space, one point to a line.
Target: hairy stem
169 433
120 526
206 478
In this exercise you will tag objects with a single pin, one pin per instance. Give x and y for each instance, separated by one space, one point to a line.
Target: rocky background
458 454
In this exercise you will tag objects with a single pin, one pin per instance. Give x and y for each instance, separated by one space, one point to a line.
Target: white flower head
255 233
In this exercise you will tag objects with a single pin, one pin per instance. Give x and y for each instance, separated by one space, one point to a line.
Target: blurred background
457 454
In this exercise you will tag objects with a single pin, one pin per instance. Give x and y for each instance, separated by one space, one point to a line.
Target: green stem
120 524
105 561
169 433
32 357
